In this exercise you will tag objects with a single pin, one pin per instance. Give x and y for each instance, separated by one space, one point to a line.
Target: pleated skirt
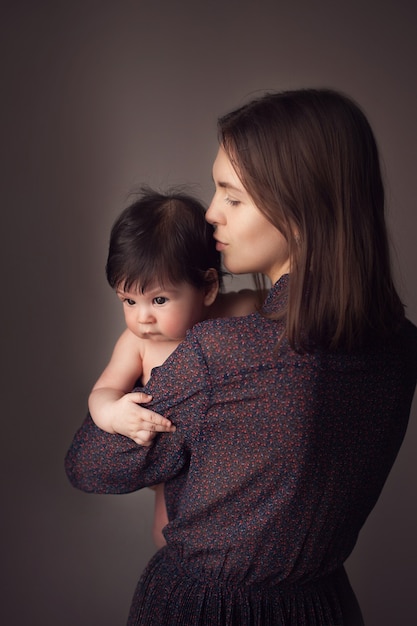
167 596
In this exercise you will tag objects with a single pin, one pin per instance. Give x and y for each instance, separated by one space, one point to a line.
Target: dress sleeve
99 462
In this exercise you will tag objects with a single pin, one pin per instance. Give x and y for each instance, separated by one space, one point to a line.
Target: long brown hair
309 160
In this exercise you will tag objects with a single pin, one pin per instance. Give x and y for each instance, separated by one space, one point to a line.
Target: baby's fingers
158 424
148 431
151 421
139 397
144 438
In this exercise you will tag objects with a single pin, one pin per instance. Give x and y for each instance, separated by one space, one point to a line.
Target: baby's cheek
175 329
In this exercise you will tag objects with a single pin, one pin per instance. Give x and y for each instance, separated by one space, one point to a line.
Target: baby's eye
160 300
129 301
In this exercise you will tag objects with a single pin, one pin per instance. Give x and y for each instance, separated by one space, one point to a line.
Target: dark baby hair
162 238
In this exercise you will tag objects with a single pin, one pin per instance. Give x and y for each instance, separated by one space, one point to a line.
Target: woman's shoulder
237 303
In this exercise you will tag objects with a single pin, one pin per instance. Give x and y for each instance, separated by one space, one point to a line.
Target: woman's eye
231 202
160 300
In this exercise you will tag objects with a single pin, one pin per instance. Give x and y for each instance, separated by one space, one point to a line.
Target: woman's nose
213 213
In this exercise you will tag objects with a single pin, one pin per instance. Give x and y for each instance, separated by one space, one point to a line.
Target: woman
288 420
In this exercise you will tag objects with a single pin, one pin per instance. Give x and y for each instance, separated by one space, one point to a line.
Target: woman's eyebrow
225 185
229 186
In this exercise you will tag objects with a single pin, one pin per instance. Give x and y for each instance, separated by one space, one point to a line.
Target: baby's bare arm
112 406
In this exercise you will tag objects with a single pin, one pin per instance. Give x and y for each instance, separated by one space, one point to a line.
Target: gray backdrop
98 97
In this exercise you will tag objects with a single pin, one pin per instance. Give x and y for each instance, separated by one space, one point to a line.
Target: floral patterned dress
277 460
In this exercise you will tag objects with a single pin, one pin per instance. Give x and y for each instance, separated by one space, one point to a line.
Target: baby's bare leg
160 518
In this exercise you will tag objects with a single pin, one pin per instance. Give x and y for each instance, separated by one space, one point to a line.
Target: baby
165 269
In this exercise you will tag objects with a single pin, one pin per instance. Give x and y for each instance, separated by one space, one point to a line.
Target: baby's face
163 313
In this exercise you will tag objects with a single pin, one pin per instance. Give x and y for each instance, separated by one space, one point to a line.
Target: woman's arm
99 462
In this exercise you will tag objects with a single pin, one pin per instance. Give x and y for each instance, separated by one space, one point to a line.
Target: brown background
96 98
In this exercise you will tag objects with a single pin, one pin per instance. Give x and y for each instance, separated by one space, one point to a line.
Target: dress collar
277 296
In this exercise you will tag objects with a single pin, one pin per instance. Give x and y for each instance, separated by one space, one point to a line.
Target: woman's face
248 242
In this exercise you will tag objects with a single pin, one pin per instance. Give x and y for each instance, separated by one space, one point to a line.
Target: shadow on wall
97 98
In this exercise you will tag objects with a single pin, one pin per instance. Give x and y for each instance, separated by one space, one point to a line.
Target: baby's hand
137 422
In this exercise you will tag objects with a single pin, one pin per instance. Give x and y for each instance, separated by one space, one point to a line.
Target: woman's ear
211 288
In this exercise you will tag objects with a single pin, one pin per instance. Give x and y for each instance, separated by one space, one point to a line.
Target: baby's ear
211 288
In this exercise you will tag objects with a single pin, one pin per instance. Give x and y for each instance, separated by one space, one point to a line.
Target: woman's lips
220 245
